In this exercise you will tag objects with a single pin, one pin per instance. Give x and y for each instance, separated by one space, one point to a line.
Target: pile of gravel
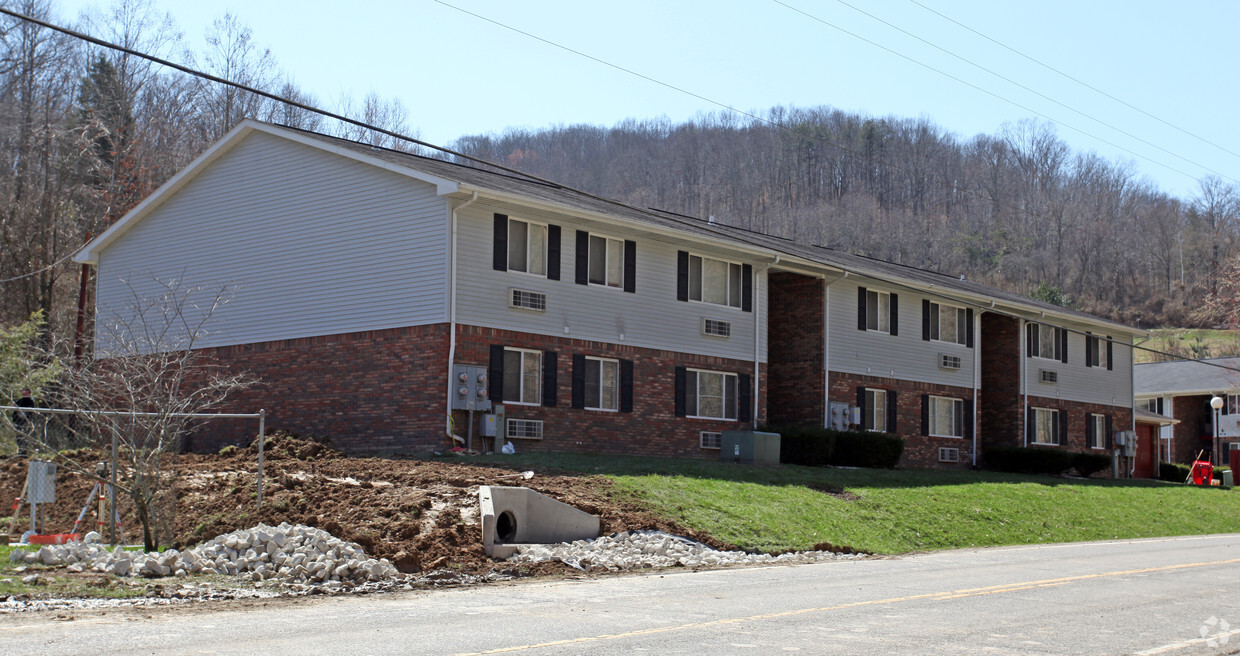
650 549
291 554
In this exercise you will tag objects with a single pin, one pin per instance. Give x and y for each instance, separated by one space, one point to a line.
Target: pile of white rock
649 549
292 554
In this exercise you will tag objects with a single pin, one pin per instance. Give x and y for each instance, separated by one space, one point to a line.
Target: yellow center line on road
932 596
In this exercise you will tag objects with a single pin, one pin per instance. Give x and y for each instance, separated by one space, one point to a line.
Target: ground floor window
1045 426
710 394
522 376
874 415
602 384
1097 431
946 417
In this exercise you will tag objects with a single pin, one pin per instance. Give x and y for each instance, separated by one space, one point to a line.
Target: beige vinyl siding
1078 382
905 356
649 318
316 244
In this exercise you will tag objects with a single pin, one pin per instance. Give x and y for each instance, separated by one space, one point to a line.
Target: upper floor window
1098 351
527 247
1050 342
948 323
715 281
606 261
1232 406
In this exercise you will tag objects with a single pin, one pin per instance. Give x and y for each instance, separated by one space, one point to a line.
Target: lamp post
1217 404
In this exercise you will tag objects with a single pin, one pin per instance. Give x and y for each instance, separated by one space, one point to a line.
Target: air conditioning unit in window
716 328
949 454
525 429
710 439
1048 376
527 300
948 361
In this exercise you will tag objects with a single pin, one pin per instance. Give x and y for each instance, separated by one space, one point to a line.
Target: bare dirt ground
422 515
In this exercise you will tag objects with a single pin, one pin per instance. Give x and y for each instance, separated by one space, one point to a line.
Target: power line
49 267
1029 89
1076 80
985 91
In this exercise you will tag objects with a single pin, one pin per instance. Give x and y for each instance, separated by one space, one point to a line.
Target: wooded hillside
86 133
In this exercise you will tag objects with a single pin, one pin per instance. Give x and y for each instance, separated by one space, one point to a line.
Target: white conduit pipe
452 317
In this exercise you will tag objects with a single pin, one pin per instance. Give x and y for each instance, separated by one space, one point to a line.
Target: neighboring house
1182 389
366 276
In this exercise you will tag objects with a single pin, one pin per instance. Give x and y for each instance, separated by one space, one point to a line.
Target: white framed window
602 384
715 281
948 323
946 417
877 311
527 247
710 394
1096 351
606 262
710 440
1232 406
1098 431
522 376
1046 341
875 416
1045 426
1149 405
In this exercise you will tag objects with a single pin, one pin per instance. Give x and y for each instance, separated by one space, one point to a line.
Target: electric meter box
749 447
41 482
470 388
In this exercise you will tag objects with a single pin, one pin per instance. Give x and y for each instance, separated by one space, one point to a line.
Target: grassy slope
1182 341
897 511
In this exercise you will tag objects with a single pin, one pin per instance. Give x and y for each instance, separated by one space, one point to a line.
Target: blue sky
458 74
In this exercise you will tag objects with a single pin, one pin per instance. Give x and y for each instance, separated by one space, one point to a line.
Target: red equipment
1202 472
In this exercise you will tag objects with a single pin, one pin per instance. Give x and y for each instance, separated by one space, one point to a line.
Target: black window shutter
499 256
925 414
861 308
495 374
1031 337
894 321
1031 426
630 266
1160 405
861 402
1063 345
1110 427
1091 350
968 329
747 287
553 252
626 386
682 375
1090 429
550 365
1063 427
968 419
1110 353
579 380
744 397
682 275
583 258
892 411
925 320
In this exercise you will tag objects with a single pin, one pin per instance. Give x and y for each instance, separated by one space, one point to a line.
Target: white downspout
977 369
452 318
826 352
1024 391
757 339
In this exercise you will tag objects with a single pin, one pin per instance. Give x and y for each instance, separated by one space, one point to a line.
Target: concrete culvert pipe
518 515
506 527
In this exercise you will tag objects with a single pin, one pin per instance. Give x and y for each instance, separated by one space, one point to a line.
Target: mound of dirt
420 514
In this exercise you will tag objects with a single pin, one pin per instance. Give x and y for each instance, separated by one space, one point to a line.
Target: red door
1147 441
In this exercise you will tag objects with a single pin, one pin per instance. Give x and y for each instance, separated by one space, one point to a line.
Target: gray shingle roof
569 198
1187 376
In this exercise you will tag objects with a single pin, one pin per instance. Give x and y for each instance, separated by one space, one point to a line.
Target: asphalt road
1160 596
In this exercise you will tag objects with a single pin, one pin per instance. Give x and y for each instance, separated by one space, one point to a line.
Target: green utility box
749 447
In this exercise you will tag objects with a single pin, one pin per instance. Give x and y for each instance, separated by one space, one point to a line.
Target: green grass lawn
897 511
1192 343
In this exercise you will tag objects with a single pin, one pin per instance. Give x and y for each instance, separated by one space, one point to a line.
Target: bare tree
137 393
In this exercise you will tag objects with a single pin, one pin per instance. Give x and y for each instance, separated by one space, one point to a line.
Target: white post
262 438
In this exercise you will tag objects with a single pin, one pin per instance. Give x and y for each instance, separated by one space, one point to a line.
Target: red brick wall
370 391
1194 414
652 429
1000 411
920 450
1121 419
795 349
